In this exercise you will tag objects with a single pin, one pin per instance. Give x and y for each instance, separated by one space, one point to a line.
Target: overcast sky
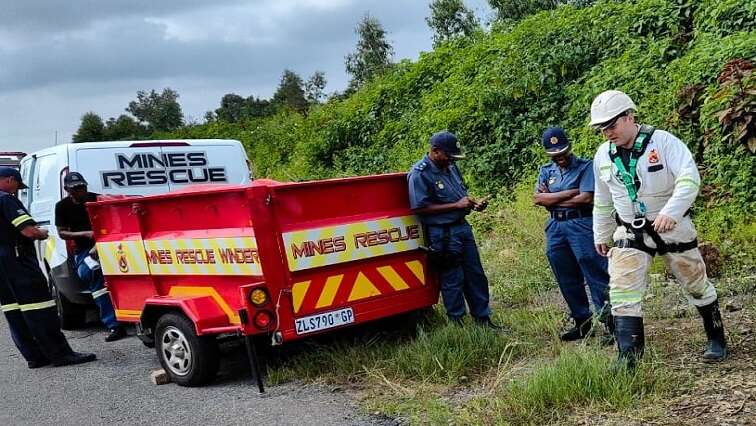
60 59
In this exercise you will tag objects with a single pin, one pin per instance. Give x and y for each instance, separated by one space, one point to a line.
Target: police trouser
462 279
29 308
628 270
575 262
95 282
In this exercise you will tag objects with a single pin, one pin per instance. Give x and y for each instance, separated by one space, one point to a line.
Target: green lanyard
628 174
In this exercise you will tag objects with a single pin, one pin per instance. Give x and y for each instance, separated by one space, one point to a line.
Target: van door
44 188
123 170
218 162
26 167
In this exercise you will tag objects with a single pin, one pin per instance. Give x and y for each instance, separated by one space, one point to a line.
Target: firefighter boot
628 332
581 330
716 347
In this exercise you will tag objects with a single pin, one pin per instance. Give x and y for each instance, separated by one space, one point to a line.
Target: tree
160 111
450 19
514 10
231 108
256 107
315 88
124 128
91 129
373 55
290 92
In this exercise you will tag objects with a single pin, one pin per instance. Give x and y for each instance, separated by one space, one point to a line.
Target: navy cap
74 179
448 143
555 141
11 172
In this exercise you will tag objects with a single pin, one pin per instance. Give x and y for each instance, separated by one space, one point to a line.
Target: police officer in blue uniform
565 188
24 296
439 197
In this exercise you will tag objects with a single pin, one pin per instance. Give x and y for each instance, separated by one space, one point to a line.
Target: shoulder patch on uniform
421 165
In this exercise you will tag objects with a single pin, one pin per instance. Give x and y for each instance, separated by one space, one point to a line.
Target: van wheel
70 315
189 360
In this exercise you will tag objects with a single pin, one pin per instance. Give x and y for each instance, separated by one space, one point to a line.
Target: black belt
662 247
570 214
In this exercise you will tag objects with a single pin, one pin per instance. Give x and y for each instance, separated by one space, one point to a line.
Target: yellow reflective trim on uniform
617 295
9 307
21 219
603 208
36 306
687 181
608 166
329 291
100 292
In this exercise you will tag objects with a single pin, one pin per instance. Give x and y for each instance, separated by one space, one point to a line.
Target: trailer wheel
70 315
189 360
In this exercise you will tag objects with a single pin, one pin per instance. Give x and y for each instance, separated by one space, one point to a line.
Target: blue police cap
555 141
11 172
448 143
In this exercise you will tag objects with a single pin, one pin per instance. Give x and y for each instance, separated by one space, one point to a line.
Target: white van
118 168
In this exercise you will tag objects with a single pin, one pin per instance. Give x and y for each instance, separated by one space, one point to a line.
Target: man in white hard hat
646 182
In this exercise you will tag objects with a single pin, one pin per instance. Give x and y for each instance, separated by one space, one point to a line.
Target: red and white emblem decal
653 157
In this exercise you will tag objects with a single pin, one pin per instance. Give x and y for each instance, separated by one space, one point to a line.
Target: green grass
437 373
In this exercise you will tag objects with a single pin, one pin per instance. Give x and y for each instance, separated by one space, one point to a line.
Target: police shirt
578 175
428 184
13 218
74 217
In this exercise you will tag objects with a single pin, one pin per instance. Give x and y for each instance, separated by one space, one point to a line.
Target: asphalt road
116 389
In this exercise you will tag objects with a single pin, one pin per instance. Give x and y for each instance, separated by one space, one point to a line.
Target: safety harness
640 224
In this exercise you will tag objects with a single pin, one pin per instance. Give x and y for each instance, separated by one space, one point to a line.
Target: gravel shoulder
116 389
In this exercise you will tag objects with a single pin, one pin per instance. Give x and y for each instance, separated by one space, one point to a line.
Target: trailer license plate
324 321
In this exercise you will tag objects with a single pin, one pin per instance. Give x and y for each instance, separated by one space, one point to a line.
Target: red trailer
288 260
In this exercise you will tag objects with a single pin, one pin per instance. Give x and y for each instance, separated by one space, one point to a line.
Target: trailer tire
189 360
70 315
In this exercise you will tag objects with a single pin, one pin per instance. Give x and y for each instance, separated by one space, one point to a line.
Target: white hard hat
608 105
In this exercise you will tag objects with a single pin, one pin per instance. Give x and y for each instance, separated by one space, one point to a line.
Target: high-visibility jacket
669 184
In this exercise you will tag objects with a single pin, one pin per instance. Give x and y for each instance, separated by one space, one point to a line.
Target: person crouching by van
73 223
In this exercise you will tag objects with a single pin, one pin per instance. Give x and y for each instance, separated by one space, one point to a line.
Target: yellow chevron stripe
329 291
9 307
36 306
363 288
233 317
417 268
298 292
390 275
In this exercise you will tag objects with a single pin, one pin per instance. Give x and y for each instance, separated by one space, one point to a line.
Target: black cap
11 172
74 179
555 141
448 143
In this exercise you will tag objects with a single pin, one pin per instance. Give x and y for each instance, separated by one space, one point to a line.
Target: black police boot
74 358
716 347
581 330
116 334
486 322
630 341
37 364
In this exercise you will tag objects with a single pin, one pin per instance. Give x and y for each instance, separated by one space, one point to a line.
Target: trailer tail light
263 320
258 297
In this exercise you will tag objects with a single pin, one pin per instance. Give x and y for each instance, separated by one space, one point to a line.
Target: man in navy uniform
73 223
565 188
439 197
24 296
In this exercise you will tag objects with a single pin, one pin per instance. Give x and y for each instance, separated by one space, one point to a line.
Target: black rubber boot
630 340
74 358
581 330
716 347
608 338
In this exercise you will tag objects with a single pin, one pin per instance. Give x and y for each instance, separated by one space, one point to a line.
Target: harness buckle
638 222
